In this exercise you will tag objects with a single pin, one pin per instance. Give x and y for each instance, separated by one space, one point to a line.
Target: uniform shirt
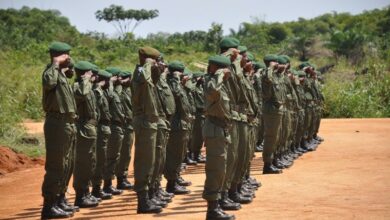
85 100
57 93
199 97
103 108
116 106
127 106
259 91
217 100
166 98
144 98
273 91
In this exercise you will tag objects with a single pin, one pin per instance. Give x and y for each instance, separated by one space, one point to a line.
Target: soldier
197 138
145 112
320 103
128 133
86 134
103 132
259 69
216 134
60 132
179 134
230 196
298 86
166 109
273 110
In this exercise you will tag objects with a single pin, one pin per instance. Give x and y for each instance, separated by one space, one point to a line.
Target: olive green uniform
259 94
115 141
216 134
59 130
274 105
309 110
85 157
103 134
166 108
300 114
145 125
128 135
179 134
197 137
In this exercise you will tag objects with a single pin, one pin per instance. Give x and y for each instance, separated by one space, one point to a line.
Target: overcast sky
186 15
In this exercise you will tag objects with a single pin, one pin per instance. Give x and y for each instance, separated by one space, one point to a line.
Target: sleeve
50 77
214 86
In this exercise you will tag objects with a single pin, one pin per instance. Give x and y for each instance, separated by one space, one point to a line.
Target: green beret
303 65
282 60
220 61
300 73
258 65
286 58
250 57
125 74
229 42
83 65
197 74
176 66
242 49
270 57
95 68
59 47
187 72
115 71
104 74
149 52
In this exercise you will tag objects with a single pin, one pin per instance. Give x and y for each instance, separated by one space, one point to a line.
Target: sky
186 15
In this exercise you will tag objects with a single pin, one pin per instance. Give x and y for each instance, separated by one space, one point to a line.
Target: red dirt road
348 177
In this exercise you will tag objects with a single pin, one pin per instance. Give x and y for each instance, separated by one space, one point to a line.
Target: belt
65 117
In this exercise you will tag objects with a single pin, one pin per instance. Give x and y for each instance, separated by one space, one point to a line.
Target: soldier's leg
113 153
103 135
124 159
197 139
272 124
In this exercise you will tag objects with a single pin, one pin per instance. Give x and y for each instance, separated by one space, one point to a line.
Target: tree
124 20
214 36
349 44
277 33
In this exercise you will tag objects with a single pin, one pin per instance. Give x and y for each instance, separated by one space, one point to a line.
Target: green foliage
122 19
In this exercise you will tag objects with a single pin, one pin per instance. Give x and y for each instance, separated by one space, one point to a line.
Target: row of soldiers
238 107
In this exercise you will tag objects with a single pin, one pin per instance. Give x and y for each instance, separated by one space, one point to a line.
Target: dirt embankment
11 161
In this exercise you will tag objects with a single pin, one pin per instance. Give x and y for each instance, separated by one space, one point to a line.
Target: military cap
258 65
197 74
104 74
282 60
176 66
229 42
125 74
83 65
115 71
270 57
300 73
59 47
95 68
303 65
242 49
250 57
286 57
149 52
187 72
220 60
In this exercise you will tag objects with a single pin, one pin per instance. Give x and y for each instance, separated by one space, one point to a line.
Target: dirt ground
346 178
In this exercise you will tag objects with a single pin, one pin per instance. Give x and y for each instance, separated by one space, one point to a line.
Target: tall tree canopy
123 20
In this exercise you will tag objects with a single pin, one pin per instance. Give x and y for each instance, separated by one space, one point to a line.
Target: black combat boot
145 205
214 212
109 188
63 204
163 192
199 158
189 161
228 204
123 183
245 191
259 147
83 200
235 196
50 210
183 182
271 169
173 187
155 199
318 138
99 193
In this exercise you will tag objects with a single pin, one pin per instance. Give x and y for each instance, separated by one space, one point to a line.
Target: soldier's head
115 78
69 70
271 60
229 47
248 67
282 64
219 62
83 69
148 52
104 78
125 78
60 53
176 69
